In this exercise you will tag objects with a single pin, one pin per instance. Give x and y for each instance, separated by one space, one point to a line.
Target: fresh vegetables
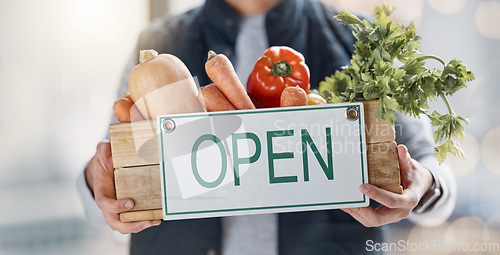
213 99
315 99
125 110
157 82
374 74
293 96
278 68
221 71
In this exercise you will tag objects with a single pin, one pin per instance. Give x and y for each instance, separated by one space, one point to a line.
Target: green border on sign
263 110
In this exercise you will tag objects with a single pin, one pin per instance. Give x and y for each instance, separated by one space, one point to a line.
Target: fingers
100 164
384 197
103 154
129 227
107 204
105 196
404 159
111 209
355 213
104 193
382 215
414 177
407 167
407 201
394 207
101 173
370 217
103 182
402 151
103 147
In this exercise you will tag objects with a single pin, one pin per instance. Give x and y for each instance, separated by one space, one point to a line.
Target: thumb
104 149
103 155
404 163
404 156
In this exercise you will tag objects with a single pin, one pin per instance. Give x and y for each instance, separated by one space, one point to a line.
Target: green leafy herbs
387 65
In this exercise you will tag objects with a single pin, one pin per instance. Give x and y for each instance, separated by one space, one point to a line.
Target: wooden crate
134 148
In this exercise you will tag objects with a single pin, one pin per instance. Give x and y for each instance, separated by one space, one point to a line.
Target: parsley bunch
387 65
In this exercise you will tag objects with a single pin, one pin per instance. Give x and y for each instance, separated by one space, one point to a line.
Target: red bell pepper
278 68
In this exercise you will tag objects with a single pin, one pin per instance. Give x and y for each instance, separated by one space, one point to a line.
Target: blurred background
60 64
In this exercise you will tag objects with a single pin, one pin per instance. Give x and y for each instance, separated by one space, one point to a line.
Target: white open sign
262 161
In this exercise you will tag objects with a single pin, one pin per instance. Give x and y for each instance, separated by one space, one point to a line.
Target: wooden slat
141 215
382 157
383 166
141 184
134 144
377 131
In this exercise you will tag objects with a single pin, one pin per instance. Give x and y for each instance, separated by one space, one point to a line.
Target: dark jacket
326 45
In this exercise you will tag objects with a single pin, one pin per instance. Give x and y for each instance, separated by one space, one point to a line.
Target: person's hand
415 179
99 177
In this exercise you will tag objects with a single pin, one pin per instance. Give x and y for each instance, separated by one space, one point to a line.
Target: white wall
182 6
60 63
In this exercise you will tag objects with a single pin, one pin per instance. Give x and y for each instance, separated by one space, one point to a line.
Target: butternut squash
162 84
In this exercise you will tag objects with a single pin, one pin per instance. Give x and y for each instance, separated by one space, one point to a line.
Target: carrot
221 71
293 96
213 99
125 110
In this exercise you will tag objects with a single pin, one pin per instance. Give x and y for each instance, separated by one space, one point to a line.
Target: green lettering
283 155
237 161
194 166
307 140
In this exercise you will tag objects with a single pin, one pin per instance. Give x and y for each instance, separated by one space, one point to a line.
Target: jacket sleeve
416 134
92 212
